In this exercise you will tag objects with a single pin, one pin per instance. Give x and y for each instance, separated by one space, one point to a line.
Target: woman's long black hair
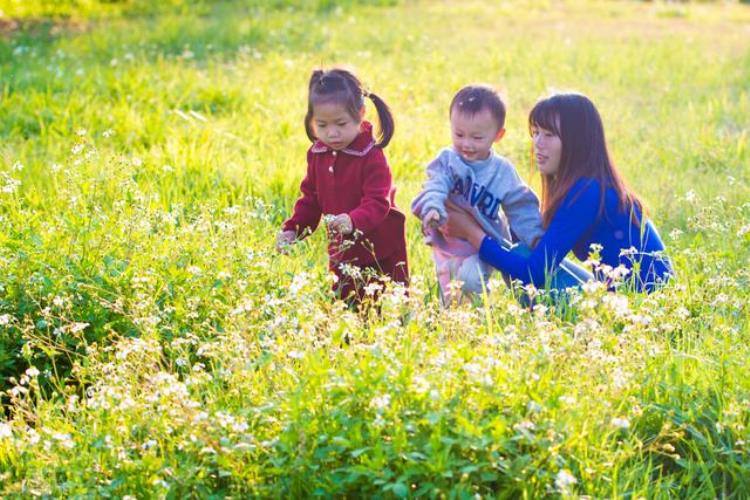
575 120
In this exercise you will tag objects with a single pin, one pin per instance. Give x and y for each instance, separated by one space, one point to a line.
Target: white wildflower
568 400
381 403
564 480
525 425
420 384
6 431
620 423
373 288
78 327
379 421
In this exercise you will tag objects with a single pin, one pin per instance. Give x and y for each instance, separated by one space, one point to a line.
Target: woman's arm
570 223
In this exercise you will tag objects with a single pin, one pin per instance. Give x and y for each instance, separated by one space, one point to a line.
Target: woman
585 202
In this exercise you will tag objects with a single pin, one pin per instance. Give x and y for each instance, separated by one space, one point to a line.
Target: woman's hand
462 224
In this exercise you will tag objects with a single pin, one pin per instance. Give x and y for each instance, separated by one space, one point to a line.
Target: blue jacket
577 225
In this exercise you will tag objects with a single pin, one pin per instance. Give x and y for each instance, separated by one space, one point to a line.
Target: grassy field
152 344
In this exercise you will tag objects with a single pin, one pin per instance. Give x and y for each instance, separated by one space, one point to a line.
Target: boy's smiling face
473 135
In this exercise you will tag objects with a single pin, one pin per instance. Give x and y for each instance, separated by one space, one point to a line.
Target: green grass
148 155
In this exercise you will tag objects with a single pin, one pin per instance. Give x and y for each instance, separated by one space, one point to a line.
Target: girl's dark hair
342 87
575 120
472 99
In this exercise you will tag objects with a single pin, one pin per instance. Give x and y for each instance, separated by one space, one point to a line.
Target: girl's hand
341 223
284 239
430 221
462 224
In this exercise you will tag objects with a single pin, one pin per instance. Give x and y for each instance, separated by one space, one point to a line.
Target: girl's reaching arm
307 211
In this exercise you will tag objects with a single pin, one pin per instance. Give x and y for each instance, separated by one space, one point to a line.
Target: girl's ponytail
385 117
315 78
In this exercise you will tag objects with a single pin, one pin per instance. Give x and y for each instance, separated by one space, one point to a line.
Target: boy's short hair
472 99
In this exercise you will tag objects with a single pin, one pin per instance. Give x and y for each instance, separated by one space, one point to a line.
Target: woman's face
547 150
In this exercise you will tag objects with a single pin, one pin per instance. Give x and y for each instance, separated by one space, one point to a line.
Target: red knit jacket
357 181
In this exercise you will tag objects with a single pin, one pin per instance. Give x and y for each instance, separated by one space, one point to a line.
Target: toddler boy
474 177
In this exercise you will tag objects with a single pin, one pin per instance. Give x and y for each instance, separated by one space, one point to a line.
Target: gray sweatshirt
491 189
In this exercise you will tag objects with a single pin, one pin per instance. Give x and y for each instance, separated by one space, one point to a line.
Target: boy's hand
341 223
284 239
431 220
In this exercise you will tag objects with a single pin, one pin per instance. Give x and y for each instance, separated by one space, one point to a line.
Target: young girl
585 202
349 183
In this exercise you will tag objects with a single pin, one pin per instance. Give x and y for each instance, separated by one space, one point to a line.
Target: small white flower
690 196
78 327
621 423
77 149
526 425
372 288
6 431
533 407
564 480
381 402
569 400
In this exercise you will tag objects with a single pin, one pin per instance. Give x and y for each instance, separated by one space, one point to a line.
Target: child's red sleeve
376 192
307 211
